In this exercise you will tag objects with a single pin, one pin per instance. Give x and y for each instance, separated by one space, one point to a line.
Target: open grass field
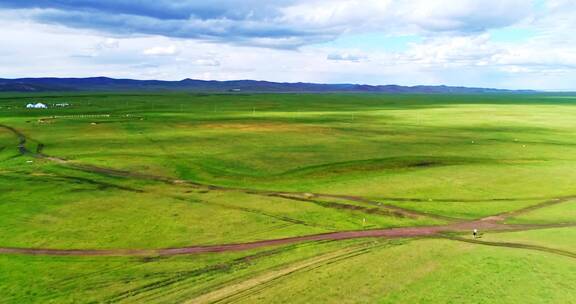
287 198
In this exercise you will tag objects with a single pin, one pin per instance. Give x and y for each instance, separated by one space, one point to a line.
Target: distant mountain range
111 84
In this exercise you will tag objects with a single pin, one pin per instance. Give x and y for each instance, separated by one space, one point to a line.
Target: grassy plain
149 171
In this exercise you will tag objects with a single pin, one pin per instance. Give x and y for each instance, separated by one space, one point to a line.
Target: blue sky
488 43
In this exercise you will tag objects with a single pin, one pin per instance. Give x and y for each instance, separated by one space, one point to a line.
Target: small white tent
36 106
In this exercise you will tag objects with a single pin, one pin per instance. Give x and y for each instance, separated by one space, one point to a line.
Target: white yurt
36 106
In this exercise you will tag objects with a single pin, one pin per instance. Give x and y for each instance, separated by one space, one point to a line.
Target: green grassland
167 170
561 213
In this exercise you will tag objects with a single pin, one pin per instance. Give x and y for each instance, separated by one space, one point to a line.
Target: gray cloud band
274 24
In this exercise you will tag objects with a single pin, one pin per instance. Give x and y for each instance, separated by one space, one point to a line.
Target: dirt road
492 223
404 232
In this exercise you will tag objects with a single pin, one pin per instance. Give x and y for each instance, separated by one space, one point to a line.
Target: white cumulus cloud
161 51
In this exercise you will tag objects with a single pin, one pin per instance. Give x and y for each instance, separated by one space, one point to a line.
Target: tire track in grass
167 282
545 204
238 289
159 288
251 291
400 232
287 220
340 206
489 223
394 210
93 169
129 174
183 276
180 291
22 139
69 282
561 252
274 216
243 294
71 180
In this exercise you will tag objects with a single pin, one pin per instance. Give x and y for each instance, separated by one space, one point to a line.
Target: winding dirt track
492 223
404 232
